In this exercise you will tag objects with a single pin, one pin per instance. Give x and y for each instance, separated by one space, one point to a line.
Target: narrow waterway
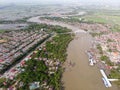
81 76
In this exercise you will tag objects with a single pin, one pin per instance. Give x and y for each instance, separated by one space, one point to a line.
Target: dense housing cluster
110 44
16 43
44 62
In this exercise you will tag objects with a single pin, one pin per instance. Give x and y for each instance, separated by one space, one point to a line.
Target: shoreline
78 74
84 77
74 78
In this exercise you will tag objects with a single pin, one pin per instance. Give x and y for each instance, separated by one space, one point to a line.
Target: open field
3 40
108 17
103 18
1 31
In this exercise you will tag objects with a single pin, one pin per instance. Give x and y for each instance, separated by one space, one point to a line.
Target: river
13 26
81 76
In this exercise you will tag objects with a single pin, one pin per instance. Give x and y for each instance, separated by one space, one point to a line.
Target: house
34 85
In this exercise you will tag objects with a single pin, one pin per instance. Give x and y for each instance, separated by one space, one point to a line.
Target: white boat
94 61
91 62
105 79
105 83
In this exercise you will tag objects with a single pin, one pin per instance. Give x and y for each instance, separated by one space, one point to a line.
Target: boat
105 79
105 83
91 62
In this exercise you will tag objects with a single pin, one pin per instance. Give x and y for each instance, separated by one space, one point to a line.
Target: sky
62 1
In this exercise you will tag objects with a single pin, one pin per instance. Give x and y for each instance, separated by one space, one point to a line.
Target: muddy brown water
81 76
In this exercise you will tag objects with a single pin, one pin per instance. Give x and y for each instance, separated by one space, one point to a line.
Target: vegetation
20 57
104 58
13 21
1 81
56 49
79 19
107 60
95 34
95 19
110 40
100 49
103 17
109 50
115 73
2 31
48 28
31 27
36 70
116 28
68 19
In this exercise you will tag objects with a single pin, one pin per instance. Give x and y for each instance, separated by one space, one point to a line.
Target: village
59 47
105 51
16 43
108 40
43 59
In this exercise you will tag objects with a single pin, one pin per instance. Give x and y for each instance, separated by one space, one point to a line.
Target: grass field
95 19
1 31
101 16
104 17
116 28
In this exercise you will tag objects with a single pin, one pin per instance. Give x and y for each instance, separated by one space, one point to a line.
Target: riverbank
81 76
